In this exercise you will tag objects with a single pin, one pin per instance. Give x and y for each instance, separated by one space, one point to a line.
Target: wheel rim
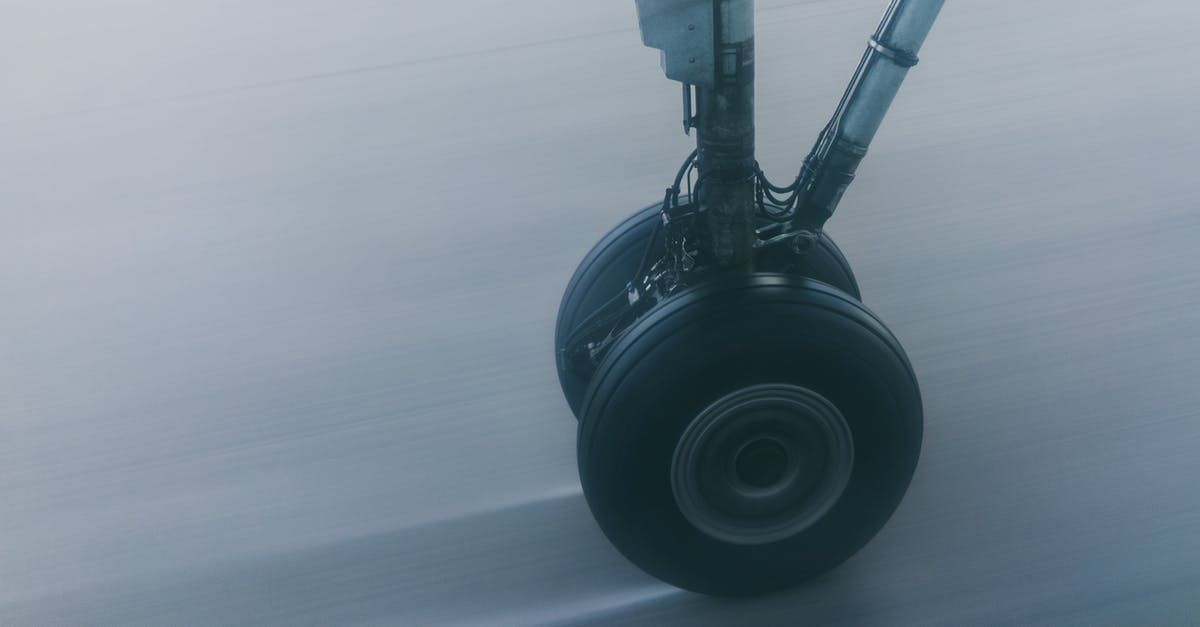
762 464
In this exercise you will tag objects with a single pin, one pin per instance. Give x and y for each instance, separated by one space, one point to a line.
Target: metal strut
708 45
831 165
725 139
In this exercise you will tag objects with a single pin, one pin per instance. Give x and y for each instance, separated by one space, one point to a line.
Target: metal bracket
683 31
901 57
689 110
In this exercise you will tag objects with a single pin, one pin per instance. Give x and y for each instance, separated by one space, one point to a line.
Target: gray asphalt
279 279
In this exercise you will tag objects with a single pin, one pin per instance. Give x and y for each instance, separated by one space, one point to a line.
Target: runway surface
278 282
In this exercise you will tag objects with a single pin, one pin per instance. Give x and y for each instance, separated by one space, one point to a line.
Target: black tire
715 342
612 262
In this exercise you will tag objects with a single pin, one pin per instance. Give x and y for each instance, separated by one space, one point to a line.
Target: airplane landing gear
745 423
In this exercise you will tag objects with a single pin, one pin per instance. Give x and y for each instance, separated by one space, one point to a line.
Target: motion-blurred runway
278 281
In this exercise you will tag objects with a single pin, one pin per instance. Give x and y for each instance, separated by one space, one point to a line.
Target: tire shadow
544 561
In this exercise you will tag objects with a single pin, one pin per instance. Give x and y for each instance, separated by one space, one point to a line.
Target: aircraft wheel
749 434
613 261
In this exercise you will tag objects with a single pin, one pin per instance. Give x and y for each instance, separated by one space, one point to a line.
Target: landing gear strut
745 423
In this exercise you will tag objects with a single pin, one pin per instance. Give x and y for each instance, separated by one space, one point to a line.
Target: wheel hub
762 463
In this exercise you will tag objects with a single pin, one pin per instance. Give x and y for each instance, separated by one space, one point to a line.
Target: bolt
803 242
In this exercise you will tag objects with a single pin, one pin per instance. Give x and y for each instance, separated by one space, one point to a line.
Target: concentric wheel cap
762 464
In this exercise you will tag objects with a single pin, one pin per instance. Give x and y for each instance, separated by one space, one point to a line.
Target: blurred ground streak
241 381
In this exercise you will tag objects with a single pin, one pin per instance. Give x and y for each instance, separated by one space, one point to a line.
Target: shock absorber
891 51
708 45
725 139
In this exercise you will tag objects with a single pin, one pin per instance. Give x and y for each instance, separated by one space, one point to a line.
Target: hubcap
762 464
